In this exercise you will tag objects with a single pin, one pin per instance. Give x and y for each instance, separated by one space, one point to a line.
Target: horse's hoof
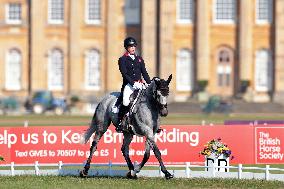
129 176
169 176
83 174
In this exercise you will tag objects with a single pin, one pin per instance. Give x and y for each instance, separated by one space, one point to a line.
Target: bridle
162 90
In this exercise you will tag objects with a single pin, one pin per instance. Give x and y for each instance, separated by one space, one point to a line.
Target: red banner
178 144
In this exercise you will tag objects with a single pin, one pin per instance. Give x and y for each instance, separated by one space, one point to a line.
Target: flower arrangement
217 148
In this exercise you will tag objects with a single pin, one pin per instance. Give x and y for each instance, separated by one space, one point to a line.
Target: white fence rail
13 169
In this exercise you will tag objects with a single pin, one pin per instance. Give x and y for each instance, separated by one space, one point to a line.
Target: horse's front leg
153 145
93 148
146 157
125 151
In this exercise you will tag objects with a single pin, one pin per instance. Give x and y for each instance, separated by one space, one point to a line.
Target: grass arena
73 181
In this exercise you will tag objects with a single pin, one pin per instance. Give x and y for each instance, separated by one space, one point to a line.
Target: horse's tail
86 136
92 128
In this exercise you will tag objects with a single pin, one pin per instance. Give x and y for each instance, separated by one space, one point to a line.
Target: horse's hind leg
93 148
125 151
146 157
157 153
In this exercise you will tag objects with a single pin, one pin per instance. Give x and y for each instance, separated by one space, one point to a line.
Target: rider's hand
144 85
137 85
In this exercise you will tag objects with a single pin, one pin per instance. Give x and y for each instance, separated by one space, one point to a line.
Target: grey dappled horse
151 104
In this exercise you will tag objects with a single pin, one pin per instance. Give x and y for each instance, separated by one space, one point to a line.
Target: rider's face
131 49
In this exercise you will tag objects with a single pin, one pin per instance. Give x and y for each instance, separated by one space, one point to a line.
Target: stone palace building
71 47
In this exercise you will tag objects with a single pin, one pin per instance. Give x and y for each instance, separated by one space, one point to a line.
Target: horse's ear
169 79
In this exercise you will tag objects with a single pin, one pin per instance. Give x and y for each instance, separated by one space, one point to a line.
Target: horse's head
161 93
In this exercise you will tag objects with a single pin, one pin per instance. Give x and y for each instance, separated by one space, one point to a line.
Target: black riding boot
122 111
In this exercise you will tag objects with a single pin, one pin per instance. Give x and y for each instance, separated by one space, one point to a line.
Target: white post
240 166
187 169
213 170
110 168
267 172
60 164
12 168
26 123
135 164
36 168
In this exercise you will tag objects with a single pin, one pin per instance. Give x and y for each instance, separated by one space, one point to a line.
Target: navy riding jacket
131 70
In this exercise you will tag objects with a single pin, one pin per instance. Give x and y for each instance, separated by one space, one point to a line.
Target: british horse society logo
269 146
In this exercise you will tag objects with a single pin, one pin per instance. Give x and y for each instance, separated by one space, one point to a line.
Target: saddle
132 98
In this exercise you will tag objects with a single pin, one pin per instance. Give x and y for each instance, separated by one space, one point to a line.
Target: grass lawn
117 183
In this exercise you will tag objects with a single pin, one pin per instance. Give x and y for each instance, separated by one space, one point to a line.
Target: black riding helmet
129 41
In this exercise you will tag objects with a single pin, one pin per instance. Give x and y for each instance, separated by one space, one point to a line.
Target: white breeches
128 90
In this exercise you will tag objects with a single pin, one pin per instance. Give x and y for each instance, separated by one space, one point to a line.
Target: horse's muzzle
164 111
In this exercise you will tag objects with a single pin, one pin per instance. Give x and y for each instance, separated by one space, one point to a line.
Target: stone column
279 51
38 50
114 40
74 45
167 21
245 40
148 35
203 40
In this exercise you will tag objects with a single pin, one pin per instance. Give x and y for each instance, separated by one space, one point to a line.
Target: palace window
13 13
55 11
264 9
13 70
93 11
92 70
263 70
185 11
132 12
224 68
184 70
55 70
224 11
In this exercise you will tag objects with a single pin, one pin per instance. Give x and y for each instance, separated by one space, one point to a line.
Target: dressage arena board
178 144
45 146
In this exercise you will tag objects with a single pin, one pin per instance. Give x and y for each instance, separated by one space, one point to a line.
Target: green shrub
202 84
244 85
74 99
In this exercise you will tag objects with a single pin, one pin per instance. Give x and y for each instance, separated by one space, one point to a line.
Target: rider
131 67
